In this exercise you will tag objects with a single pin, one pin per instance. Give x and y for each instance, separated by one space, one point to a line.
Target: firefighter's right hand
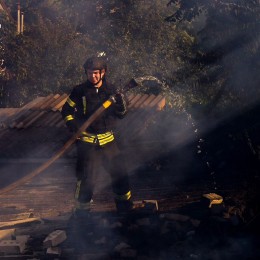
72 126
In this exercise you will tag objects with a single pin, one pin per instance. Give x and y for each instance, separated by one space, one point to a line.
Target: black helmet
95 63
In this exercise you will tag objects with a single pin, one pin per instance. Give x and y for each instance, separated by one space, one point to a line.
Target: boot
82 210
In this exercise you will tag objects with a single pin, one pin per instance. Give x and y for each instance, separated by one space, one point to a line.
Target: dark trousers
89 157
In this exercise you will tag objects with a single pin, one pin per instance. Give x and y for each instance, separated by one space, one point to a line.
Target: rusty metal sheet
58 98
57 119
60 123
30 113
42 126
7 112
44 120
25 109
61 103
132 115
140 101
134 100
137 116
144 117
49 117
39 113
45 107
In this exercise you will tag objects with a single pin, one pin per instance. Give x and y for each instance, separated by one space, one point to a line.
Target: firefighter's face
94 76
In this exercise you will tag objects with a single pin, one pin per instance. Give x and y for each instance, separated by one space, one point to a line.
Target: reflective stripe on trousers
100 139
81 205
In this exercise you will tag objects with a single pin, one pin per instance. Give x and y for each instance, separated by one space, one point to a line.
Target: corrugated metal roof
37 129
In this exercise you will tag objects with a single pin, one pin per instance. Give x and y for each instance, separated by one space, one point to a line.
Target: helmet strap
101 78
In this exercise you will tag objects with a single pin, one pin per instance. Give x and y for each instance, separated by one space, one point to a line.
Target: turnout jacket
85 99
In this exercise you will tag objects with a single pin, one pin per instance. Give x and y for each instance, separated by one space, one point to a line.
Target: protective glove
72 126
119 98
121 107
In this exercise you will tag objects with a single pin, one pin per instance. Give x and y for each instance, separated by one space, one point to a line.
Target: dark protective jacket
85 99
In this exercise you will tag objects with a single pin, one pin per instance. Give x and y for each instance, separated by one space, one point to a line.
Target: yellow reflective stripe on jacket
68 118
84 105
70 102
101 139
126 196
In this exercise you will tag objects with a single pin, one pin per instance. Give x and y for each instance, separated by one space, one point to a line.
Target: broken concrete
54 251
11 247
7 234
55 238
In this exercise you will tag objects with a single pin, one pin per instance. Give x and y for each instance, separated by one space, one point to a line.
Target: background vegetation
205 54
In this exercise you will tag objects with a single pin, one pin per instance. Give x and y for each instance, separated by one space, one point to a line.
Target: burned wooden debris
157 235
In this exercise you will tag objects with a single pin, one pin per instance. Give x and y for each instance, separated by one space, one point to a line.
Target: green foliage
211 65
59 35
222 71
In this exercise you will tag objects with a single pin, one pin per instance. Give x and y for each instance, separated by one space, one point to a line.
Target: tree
60 35
224 69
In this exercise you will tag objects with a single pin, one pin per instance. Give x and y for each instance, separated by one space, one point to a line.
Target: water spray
191 121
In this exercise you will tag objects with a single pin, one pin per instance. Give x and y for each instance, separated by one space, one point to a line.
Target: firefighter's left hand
121 106
119 98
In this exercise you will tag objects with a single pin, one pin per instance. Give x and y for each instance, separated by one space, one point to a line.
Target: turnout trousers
91 156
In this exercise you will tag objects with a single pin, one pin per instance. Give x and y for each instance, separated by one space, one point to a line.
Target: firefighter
97 144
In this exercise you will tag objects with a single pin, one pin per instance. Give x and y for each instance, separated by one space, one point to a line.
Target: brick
54 238
7 234
53 251
11 247
22 239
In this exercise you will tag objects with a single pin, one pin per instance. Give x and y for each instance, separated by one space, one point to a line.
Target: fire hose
68 144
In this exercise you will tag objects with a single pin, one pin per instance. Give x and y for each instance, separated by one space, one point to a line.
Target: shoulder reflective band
68 118
107 104
70 102
126 196
84 105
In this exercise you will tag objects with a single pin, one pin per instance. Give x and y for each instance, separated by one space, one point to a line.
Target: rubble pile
196 231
